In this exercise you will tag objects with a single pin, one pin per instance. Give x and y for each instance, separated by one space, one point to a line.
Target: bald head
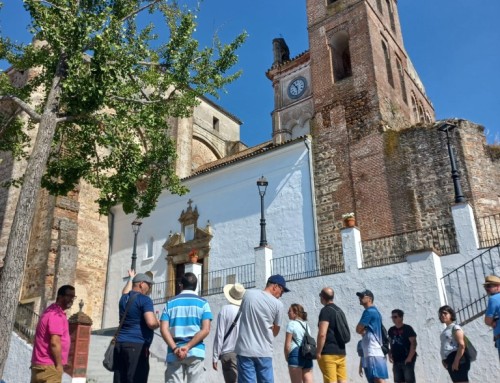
327 294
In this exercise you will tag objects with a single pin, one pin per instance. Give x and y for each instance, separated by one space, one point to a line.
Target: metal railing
393 248
309 264
464 285
163 291
26 322
488 230
214 281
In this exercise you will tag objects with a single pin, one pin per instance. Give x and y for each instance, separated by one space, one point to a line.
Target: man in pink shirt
52 341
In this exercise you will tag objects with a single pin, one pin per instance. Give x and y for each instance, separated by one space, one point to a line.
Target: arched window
421 116
391 15
150 253
402 80
341 56
388 64
414 108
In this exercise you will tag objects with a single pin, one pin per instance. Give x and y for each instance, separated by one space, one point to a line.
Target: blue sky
454 45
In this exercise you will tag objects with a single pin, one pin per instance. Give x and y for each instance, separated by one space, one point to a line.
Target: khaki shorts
45 374
333 368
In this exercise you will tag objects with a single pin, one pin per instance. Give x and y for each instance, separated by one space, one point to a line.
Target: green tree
107 89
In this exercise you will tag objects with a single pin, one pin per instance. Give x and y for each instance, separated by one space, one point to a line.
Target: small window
379 6
330 1
150 253
189 232
388 64
402 80
215 123
341 56
391 15
414 108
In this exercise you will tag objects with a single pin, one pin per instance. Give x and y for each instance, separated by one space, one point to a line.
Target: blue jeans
253 369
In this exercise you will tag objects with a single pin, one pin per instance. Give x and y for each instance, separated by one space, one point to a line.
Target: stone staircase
96 373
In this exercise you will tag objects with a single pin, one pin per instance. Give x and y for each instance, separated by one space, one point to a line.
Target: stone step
96 373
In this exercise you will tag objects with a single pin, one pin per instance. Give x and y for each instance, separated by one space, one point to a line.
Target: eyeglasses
444 313
70 296
489 286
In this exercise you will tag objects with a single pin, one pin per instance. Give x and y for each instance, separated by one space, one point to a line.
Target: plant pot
350 222
194 259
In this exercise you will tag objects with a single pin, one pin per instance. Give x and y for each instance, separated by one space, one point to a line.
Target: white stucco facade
227 198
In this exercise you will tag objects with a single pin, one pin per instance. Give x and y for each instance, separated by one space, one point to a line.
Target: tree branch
53 5
142 102
23 105
140 10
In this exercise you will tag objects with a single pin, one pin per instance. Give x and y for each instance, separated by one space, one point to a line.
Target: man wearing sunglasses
492 287
261 315
403 353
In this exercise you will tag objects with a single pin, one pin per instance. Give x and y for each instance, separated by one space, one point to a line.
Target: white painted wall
229 199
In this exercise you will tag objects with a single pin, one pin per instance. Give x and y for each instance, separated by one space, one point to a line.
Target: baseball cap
142 278
365 293
279 280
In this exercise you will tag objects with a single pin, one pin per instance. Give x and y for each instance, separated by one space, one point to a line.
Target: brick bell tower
364 89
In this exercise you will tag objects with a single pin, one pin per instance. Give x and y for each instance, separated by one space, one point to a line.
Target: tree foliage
100 90
119 85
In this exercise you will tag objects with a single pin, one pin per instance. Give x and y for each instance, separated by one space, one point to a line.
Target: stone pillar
465 228
79 329
263 266
194 268
351 248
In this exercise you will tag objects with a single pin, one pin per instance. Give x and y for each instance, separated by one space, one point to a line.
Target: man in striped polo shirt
184 323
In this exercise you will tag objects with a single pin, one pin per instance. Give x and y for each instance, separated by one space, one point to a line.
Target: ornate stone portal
179 245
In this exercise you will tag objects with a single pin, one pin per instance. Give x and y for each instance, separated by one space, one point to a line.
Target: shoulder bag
108 361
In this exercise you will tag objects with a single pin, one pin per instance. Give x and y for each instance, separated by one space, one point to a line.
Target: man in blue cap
261 315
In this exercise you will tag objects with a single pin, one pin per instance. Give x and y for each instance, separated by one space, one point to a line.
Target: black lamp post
262 185
447 127
136 225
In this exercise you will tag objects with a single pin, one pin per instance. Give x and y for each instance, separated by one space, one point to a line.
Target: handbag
109 355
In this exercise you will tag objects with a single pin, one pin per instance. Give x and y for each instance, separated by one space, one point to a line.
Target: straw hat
491 280
234 293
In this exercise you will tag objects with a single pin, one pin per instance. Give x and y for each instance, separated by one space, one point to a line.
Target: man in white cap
226 333
492 287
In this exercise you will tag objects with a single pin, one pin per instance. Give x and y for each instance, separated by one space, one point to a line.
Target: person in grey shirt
226 333
261 315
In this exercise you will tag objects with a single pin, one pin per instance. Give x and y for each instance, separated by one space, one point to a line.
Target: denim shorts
296 360
375 367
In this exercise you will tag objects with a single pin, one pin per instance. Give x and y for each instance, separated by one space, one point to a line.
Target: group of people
246 328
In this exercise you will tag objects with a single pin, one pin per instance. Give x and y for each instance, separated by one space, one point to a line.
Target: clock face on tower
297 87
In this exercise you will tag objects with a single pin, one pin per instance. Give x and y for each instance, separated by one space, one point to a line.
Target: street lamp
136 225
447 128
262 185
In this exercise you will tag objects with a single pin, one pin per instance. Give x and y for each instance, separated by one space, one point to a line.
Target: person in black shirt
403 352
330 353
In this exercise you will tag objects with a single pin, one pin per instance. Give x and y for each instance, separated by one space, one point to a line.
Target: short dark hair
398 312
189 281
326 296
448 310
64 289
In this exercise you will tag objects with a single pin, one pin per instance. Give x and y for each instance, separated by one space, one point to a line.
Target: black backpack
342 332
385 341
308 347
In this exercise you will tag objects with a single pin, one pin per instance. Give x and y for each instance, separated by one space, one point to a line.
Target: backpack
307 348
342 332
385 340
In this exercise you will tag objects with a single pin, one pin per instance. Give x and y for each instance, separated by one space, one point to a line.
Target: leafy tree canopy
116 87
